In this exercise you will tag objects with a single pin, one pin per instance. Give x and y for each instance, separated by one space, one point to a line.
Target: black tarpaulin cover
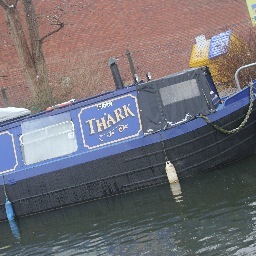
174 99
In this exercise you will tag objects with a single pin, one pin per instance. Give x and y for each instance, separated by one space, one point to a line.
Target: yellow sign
251 4
199 55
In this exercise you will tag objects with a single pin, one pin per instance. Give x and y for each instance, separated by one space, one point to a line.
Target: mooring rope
4 186
249 111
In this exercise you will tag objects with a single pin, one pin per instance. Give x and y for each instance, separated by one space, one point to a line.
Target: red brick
159 33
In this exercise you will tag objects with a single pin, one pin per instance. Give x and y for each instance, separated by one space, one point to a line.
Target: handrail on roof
236 74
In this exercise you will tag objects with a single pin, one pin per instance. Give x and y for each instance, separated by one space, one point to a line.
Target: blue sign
8 156
219 44
254 11
110 121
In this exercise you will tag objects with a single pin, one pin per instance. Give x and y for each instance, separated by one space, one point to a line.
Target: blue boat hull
193 148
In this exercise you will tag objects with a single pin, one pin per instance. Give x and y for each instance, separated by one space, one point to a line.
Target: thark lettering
108 120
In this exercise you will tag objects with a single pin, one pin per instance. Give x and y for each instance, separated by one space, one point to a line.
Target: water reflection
15 229
216 215
176 191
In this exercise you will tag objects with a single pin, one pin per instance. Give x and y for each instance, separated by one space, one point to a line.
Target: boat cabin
87 126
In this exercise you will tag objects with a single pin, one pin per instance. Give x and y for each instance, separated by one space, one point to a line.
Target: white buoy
171 172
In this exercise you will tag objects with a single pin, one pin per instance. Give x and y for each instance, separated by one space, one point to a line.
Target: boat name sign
110 121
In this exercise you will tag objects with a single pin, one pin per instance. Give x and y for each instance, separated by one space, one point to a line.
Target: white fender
171 172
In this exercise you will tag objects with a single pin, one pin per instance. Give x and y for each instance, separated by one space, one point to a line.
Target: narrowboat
120 141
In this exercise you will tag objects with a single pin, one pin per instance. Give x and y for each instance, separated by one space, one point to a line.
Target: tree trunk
44 91
30 54
22 48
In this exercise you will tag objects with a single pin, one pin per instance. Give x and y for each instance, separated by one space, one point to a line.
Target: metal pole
112 62
4 94
133 71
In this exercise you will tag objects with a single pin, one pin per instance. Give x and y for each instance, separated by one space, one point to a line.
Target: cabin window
179 92
47 138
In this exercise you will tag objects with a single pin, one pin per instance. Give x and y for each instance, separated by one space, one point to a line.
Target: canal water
214 215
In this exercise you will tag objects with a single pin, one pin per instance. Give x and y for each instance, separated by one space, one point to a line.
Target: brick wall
159 34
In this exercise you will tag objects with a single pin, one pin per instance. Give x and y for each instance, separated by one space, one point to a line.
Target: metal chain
243 122
165 154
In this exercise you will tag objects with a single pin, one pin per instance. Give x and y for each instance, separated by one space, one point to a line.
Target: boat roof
12 112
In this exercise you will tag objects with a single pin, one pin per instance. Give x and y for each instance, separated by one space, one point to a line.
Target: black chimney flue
112 62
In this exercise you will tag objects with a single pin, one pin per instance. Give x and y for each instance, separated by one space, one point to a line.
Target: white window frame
50 154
